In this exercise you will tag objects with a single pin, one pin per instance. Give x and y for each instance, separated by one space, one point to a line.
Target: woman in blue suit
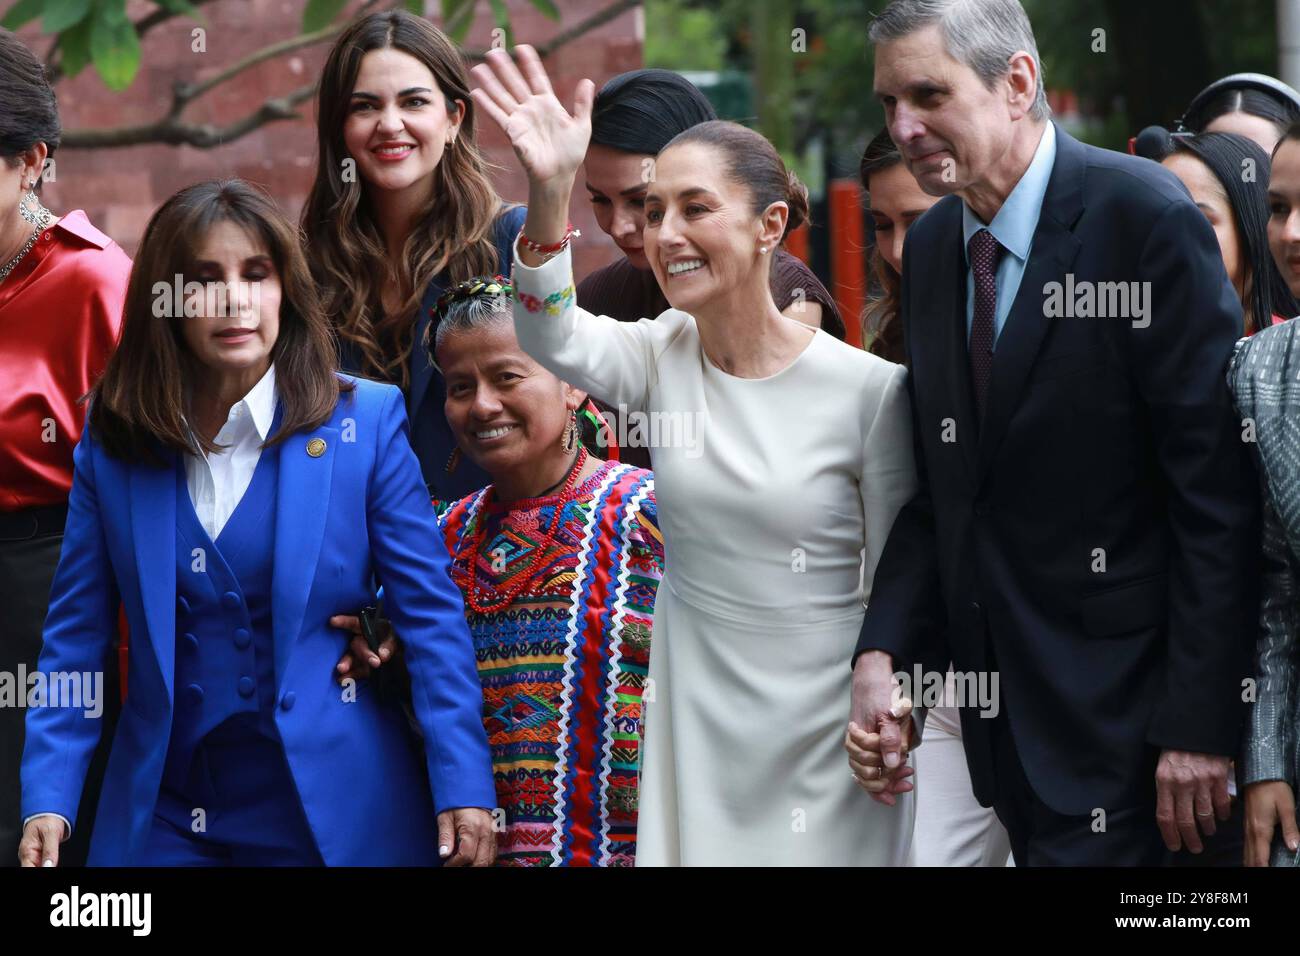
234 493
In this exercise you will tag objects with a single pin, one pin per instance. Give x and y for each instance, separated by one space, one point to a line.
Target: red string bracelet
553 248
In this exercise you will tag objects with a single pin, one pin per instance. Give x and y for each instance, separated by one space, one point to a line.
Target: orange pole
797 243
848 270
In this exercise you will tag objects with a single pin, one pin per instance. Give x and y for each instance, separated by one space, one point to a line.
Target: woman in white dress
780 456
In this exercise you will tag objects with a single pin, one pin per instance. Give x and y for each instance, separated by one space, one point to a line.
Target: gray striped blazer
1264 375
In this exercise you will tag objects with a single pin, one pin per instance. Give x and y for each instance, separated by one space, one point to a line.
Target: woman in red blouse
62 283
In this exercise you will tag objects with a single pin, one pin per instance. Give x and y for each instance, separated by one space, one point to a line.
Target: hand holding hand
879 734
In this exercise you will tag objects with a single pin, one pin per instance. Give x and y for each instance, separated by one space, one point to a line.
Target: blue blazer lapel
153 530
302 503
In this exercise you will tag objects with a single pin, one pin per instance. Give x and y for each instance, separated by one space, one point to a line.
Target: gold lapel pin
316 447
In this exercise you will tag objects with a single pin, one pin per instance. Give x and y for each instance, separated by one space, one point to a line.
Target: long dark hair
882 332
641 111
143 399
1229 156
29 113
454 234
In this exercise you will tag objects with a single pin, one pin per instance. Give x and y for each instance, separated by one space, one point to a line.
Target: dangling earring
569 440
30 208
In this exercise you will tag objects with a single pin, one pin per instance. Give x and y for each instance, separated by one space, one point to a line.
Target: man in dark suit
1087 526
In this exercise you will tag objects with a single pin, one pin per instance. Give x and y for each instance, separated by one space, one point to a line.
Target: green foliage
22 13
62 14
680 35
74 48
114 44
320 13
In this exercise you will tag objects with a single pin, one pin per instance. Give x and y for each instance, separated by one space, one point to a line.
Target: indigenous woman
401 207
559 559
767 509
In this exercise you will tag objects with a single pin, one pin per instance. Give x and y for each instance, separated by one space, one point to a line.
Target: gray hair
983 34
467 315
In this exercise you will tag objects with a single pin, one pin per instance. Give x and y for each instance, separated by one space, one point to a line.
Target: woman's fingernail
48 863
443 851
374 661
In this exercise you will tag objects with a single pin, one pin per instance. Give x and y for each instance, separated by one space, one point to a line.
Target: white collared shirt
217 481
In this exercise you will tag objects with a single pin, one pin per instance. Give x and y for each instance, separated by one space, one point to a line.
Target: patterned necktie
984 252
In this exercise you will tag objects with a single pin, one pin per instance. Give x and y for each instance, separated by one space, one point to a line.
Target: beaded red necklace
467 578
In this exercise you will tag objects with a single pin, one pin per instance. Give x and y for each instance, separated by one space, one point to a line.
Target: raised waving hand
550 141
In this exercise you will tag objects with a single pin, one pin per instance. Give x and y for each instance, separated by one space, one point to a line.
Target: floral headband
475 288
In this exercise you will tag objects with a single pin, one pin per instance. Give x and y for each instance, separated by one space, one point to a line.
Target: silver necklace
40 217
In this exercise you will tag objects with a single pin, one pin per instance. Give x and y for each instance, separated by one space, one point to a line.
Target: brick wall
119 188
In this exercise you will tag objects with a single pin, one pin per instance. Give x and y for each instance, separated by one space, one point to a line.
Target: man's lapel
1053 252
949 298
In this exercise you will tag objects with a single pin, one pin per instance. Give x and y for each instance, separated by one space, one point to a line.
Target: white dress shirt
217 481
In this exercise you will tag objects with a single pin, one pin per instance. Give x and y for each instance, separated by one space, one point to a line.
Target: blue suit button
182 605
230 600
287 701
191 642
242 638
194 695
246 687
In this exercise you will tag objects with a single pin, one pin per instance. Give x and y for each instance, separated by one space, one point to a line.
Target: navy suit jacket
358 512
1098 532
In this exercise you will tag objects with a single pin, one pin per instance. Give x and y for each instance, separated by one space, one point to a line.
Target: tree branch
185 93
172 131
597 19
